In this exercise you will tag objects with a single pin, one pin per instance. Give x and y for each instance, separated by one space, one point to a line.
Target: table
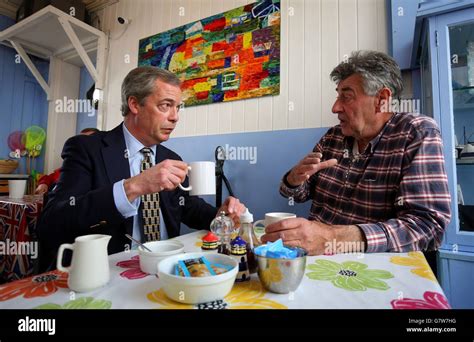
18 241
343 281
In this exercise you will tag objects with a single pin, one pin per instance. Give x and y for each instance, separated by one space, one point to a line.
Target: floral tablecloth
343 281
17 225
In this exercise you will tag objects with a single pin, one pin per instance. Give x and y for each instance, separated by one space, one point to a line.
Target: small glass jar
223 227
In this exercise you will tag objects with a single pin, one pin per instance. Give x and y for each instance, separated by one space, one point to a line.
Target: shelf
467 161
51 32
41 36
464 88
68 44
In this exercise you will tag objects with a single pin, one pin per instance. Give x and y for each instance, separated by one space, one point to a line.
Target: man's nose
337 107
174 115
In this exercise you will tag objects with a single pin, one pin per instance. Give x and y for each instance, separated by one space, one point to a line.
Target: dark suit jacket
83 196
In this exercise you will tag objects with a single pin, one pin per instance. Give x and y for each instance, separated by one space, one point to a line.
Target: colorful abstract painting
230 56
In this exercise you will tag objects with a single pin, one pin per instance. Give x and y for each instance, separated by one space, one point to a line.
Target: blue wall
22 100
85 120
257 184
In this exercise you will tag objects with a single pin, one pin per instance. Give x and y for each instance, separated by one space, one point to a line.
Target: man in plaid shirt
377 179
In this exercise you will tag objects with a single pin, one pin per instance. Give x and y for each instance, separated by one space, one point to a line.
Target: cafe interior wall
22 100
315 36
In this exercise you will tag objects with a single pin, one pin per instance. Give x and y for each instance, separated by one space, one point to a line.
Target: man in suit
101 184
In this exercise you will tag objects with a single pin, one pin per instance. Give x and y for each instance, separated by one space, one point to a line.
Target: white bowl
161 250
195 290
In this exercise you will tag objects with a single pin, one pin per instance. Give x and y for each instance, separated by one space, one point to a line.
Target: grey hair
377 69
140 83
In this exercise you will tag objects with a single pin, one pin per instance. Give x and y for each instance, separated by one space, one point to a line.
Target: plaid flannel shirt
396 191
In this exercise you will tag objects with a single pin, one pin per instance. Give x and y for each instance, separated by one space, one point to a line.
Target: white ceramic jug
90 264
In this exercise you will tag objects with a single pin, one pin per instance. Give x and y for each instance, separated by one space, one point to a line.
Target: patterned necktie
150 204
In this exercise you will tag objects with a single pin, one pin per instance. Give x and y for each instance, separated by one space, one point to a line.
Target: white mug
271 218
16 188
202 178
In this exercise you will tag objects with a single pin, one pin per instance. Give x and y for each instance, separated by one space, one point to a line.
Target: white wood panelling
312 65
315 36
296 74
329 57
280 102
347 25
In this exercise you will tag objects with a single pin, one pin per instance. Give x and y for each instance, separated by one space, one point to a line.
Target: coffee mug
16 188
202 178
269 219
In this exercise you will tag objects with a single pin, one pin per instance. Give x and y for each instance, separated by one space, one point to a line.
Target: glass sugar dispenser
224 228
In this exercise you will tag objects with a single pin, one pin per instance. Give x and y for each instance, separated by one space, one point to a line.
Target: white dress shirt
122 203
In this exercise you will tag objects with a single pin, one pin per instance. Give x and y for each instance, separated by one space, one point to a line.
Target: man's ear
133 104
384 101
